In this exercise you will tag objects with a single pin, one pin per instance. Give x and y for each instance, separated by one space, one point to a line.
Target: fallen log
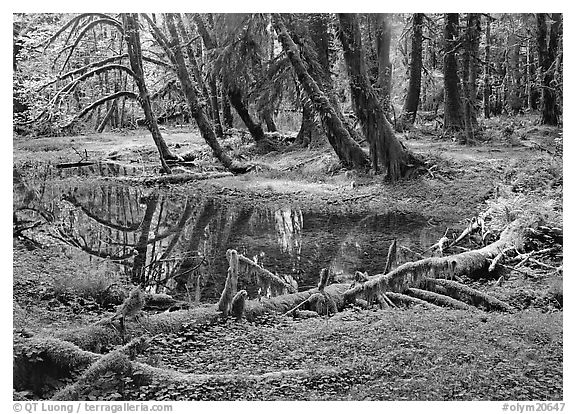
65 357
100 337
438 299
276 283
173 178
117 361
465 294
400 298
472 263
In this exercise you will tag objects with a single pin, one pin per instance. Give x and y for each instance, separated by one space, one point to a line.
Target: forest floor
385 354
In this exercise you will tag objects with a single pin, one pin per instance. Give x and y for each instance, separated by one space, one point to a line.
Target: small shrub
556 292
98 284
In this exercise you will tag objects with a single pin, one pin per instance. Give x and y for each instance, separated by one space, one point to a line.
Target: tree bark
486 92
309 131
469 74
383 39
547 52
142 243
226 110
237 102
234 93
414 83
453 115
191 94
191 56
513 74
385 149
348 151
130 21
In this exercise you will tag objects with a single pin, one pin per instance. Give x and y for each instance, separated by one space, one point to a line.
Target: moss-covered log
438 299
473 263
465 294
400 298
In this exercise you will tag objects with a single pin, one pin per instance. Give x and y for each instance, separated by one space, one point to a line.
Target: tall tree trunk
547 53
469 74
237 102
348 151
309 131
191 56
268 118
384 147
226 110
234 93
415 81
383 39
142 243
130 22
486 92
514 98
453 116
215 107
107 117
191 94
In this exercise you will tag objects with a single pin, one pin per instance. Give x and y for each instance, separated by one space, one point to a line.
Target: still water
178 242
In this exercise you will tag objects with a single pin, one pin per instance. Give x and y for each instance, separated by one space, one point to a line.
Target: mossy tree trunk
513 74
349 152
131 30
413 96
233 92
453 115
486 92
547 54
385 150
174 50
383 40
470 73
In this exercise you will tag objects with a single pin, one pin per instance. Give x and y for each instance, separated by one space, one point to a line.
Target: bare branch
101 101
89 26
84 68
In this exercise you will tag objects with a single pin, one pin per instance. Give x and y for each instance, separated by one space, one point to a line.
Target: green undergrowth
378 355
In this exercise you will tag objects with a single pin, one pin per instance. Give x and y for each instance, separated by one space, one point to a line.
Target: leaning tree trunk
137 273
237 102
413 95
174 50
130 21
349 152
191 56
384 147
547 50
234 93
453 116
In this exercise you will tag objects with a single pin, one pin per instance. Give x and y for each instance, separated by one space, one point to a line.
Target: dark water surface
184 237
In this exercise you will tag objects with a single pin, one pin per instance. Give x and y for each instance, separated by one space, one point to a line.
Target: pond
178 242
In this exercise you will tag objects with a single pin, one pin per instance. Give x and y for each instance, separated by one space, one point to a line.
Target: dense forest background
288 206
347 78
